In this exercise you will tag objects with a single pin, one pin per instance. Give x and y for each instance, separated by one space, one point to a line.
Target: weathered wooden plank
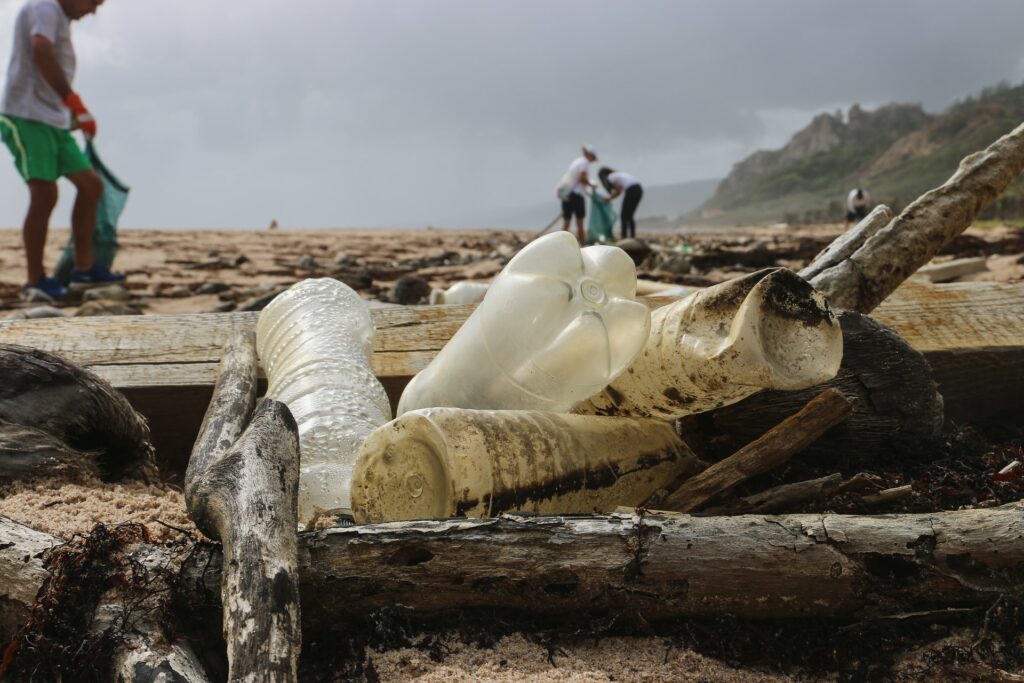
166 365
929 317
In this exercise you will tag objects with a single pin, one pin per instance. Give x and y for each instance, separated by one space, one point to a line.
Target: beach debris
34 313
306 262
769 329
75 407
464 292
409 290
557 324
896 401
314 343
910 240
844 246
213 287
774 448
241 488
447 462
108 293
948 271
107 307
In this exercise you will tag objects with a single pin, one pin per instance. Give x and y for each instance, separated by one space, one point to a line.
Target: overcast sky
339 113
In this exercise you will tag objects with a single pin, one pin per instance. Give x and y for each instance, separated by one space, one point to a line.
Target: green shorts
41 151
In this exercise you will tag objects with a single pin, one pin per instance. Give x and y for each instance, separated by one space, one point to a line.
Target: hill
896 152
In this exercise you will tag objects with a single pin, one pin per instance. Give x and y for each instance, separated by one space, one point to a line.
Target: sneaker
94 277
46 289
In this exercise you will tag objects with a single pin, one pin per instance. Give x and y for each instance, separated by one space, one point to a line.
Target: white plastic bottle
766 330
556 326
463 292
315 342
444 462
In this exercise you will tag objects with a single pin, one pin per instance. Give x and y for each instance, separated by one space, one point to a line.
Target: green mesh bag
104 240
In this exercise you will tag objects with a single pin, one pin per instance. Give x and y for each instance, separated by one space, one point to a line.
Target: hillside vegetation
896 152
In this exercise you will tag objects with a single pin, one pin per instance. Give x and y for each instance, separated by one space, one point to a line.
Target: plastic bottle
314 342
557 324
464 292
766 330
443 462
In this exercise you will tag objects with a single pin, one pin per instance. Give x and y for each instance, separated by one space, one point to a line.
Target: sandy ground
165 269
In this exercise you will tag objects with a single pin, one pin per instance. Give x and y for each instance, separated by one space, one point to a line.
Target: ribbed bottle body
315 343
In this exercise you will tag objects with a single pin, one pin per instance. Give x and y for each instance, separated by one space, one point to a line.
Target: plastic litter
444 462
556 325
314 342
464 292
766 330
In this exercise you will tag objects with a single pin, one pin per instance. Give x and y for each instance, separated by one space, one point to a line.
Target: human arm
49 68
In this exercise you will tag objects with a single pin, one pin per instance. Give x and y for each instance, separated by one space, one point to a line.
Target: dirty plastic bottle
315 342
766 330
557 324
464 292
444 462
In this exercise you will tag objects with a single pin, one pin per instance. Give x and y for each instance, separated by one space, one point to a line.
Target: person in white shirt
572 190
857 203
616 183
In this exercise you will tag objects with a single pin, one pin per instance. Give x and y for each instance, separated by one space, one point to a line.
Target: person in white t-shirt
616 183
38 111
857 204
572 191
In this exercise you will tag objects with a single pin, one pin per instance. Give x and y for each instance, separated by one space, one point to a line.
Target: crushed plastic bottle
766 330
444 462
314 342
464 292
557 324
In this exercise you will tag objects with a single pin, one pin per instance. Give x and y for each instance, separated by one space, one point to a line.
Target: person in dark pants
616 183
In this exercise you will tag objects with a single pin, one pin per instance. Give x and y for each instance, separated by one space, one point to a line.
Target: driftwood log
896 404
79 411
241 488
863 280
775 447
659 566
844 246
29 452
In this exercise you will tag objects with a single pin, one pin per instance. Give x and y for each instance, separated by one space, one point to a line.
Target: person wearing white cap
572 188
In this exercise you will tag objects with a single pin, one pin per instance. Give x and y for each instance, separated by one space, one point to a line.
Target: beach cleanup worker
857 203
572 190
616 183
38 113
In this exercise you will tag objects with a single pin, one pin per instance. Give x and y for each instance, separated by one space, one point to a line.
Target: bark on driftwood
877 268
96 608
47 393
775 447
896 403
658 566
241 488
26 451
844 246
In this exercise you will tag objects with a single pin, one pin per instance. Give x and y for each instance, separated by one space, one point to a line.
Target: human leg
83 215
630 202
42 199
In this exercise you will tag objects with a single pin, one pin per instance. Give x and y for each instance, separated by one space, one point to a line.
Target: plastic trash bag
602 219
104 240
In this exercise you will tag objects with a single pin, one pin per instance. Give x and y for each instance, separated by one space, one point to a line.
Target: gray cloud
397 112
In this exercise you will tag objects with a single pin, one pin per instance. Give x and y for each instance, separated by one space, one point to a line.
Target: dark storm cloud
328 112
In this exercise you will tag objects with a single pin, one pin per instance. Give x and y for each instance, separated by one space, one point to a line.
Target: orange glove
82 116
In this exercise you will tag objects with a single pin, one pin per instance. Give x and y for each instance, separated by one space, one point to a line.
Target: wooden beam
971 333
